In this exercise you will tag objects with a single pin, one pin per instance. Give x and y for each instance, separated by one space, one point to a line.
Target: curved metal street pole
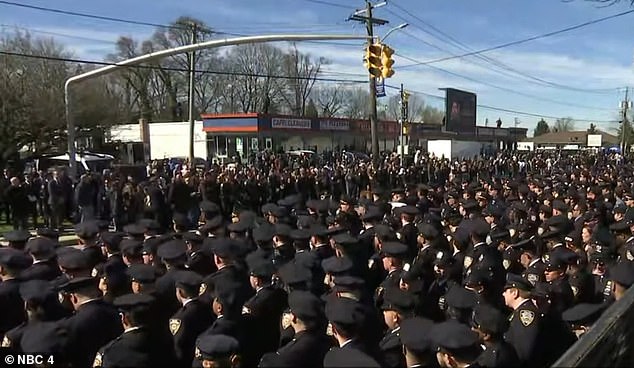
70 126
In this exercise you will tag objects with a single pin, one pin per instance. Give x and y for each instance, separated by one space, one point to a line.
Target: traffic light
386 61
372 59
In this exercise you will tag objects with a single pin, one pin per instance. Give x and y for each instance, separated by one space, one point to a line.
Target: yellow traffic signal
372 59
386 61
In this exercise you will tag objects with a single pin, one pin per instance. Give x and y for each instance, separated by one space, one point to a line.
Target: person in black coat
346 318
490 325
41 306
398 305
263 310
16 197
94 324
12 262
306 317
57 201
45 265
137 346
191 319
173 256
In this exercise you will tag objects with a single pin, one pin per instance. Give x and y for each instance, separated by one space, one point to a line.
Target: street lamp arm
72 163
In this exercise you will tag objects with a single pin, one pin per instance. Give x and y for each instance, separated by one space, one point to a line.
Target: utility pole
625 105
192 71
369 24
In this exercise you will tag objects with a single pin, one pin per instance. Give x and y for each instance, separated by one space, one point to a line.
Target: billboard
595 140
460 111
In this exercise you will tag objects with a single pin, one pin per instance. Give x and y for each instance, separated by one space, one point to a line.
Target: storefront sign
334 125
285 123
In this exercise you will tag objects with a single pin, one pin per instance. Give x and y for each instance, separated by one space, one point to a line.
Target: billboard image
460 111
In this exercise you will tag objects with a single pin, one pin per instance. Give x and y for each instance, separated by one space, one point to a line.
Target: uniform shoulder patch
246 310
175 325
575 290
527 317
506 263
629 256
197 353
6 342
202 289
467 262
286 321
98 360
532 278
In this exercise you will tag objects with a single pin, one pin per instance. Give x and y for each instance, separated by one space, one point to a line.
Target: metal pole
72 162
192 71
402 121
373 114
70 126
624 123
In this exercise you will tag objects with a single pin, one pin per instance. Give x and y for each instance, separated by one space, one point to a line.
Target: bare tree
139 80
302 71
329 100
564 125
356 103
175 83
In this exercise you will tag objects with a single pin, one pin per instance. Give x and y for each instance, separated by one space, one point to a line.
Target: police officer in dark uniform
44 265
12 262
319 243
490 324
600 263
458 346
17 238
198 259
88 232
264 309
225 253
307 319
94 324
110 246
345 317
418 347
218 351
392 254
398 305
525 328
560 292
423 264
173 255
41 305
191 319
138 345
534 266
408 233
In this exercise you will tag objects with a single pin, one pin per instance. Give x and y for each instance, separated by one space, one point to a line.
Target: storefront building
230 135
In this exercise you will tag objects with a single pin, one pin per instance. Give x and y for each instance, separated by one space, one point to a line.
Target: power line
518 42
456 43
510 90
329 3
488 107
104 63
65 35
92 16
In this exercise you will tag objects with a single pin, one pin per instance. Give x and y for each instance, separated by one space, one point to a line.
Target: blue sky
593 63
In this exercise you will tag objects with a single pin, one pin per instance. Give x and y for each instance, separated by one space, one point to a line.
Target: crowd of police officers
467 271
